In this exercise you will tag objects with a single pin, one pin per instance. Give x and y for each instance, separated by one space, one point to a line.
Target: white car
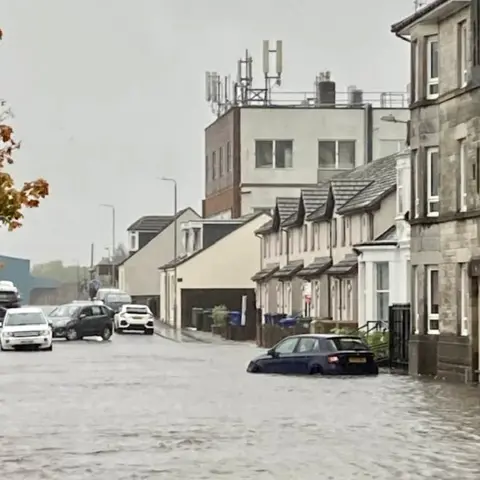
134 318
26 327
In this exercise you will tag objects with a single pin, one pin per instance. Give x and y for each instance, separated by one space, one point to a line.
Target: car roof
134 305
326 335
24 310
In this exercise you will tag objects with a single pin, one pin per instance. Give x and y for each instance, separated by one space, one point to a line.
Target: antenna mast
217 90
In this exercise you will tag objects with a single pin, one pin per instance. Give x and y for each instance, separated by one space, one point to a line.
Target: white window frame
416 317
431 81
337 154
400 196
464 326
462 147
435 317
462 54
379 291
274 154
133 241
416 78
432 199
416 179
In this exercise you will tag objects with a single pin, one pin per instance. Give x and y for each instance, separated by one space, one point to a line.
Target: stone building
444 132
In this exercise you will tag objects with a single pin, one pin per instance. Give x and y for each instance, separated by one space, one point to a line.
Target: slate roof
346 266
150 223
313 198
289 270
316 268
171 219
382 177
265 273
396 27
287 206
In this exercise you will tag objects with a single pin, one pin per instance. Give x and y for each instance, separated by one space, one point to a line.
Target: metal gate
399 335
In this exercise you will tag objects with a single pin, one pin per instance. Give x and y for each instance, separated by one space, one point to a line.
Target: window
432 67
307 345
300 239
348 300
290 241
328 234
343 237
347 220
433 177
287 346
305 238
464 327
432 300
400 205
280 239
229 157
277 241
220 162
416 179
313 235
96 310
273 153
133 241
416 318
462 59
336 154
462 147
382 291
334 232
318 234
264 245
214 165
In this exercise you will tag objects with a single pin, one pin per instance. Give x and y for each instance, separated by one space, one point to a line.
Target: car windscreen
117 298
64 311
24 318
347 343
137 310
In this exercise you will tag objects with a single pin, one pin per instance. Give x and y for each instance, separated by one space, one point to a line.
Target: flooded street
148 408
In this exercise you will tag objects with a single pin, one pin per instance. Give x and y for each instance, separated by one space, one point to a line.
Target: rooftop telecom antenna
217 92
244 91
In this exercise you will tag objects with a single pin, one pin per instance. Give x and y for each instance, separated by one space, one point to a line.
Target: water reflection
147 408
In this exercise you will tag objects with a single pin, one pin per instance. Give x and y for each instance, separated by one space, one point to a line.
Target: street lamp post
175 242
393 119
112 208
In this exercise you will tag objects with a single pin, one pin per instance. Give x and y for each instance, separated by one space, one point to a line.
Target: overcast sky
109 95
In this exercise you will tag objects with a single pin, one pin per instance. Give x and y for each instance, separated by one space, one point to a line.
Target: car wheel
316 370
148 331
106 334
49 349
71 334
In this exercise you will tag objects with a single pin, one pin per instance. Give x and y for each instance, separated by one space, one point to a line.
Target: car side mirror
82 315
272 353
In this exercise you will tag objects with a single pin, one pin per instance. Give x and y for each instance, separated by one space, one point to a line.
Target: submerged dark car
320 354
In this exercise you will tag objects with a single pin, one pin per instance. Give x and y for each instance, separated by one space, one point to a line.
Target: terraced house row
340 251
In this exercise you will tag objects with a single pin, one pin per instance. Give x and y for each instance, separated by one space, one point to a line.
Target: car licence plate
357 360
26 342
137 318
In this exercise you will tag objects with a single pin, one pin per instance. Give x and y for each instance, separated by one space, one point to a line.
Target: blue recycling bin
267 318
277 317
235 318
288 322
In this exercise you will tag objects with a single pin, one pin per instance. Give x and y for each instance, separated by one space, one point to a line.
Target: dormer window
133 241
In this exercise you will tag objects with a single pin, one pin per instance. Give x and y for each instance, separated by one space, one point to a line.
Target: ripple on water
143 409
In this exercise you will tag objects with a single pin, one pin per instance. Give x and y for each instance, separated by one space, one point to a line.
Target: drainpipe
329 278
261 264
287 252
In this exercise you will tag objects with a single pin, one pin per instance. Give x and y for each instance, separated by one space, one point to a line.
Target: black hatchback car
321 354
77 320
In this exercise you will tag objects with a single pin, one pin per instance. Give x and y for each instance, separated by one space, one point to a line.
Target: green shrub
220 315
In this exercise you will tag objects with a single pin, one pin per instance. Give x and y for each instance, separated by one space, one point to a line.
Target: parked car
321 354
26 327
83 319
134 318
